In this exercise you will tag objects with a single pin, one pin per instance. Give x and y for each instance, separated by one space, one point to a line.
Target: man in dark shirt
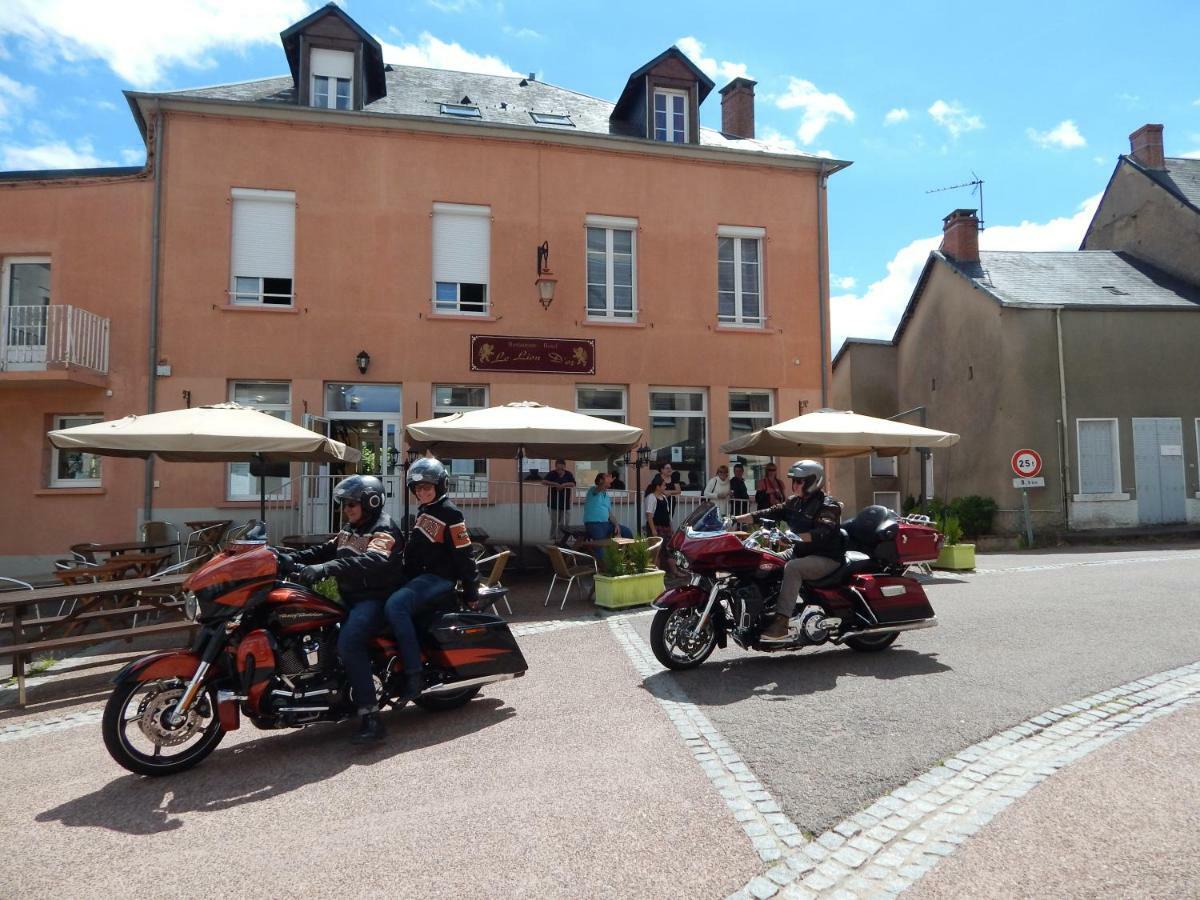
560 489
739 495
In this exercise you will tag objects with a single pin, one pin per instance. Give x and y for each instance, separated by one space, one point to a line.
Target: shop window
679 434
275 399
73 468
468 477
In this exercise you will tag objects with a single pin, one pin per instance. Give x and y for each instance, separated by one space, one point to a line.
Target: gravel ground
1121 822
568 783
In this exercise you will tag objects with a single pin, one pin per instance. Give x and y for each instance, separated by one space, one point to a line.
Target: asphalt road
828 731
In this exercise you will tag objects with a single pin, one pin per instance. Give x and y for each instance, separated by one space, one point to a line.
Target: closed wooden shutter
1096 457
264 233
461 243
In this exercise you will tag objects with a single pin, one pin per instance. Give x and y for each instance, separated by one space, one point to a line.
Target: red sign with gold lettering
499 353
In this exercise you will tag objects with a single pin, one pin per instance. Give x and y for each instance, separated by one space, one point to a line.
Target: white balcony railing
39 337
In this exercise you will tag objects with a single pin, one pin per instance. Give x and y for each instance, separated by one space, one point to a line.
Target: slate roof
1076 278
1180 176
503 100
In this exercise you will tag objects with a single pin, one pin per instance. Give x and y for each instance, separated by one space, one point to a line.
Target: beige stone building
1088 357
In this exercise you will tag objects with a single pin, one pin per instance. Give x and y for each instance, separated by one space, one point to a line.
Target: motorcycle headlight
681 561
191 606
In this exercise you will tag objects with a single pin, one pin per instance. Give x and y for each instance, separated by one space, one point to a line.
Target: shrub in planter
629 578
975 514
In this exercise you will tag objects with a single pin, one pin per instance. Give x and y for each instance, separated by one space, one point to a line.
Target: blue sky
1038 99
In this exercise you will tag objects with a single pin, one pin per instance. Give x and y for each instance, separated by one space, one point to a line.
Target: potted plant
628 577
954 554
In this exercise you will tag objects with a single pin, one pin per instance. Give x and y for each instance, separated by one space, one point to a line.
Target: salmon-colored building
355 246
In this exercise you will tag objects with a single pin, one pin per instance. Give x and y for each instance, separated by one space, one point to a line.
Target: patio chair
159 531
498 561
85 552
238 532
568 565
204 541
14 584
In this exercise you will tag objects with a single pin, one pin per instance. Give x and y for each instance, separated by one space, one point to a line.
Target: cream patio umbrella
521 429
838 433
223 432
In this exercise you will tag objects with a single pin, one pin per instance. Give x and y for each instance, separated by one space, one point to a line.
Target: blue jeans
598 531
363 622
415 597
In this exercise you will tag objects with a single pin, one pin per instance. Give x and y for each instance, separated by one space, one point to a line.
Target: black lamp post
642 458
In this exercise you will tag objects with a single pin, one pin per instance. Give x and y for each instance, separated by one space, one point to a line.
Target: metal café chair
160 532
568 565
492 579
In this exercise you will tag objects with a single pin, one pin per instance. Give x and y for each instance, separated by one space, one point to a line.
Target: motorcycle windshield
705 517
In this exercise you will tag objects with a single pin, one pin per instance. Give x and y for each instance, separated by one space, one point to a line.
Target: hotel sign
497 353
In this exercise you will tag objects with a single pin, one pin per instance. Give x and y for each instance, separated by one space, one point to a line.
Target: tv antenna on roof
975 185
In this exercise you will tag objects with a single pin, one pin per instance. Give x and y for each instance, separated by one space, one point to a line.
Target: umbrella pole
521 509
262 493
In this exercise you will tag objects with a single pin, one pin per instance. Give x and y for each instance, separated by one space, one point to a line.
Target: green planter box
956 556
628 590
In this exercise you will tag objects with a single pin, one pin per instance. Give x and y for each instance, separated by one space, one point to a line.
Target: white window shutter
1096 458
461 244
264 233
332 63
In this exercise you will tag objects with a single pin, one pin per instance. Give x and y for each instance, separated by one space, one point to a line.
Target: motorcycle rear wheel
129 718
671 641
872 644
444 700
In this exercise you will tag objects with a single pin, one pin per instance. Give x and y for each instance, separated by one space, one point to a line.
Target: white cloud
895 115
13 92
819 109
724 70
1191 154
145 37
57 155
432 53
523 33
876 312
954 117
1065 136
453 6
133 156
843 283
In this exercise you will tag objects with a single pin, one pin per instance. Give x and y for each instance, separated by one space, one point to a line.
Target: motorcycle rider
365 558
437 555
817 519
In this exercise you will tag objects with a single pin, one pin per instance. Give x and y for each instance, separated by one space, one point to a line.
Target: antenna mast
976 184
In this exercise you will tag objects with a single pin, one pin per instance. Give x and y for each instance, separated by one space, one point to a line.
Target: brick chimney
1146 146
960 235
737 108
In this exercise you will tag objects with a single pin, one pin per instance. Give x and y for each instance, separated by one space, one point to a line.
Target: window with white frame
264 247
1099 456
462 238
883 466
73 468
275 399
671 116
24 309
750 410
890 499
739 276
332 78
611 268
679 433
468 477
603 401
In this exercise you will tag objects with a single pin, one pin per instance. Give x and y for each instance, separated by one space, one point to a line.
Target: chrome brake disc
154 711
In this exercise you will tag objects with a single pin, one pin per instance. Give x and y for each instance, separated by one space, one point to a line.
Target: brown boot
777 630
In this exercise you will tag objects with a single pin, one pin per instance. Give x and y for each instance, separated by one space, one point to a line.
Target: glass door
25 308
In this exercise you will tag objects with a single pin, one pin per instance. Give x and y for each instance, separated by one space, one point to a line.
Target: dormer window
461 110
552 119
670 116
332 73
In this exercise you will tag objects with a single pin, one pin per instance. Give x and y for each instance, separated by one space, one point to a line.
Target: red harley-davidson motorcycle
267 648
735 583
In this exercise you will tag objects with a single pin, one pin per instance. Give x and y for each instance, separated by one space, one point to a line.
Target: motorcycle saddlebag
893 598
912 544
476 644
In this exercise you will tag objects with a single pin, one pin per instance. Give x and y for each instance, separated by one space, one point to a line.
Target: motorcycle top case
893 598
476 644
912 544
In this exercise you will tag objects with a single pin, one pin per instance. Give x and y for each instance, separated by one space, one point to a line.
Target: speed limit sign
1027 463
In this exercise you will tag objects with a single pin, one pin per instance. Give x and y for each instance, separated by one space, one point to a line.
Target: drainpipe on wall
1064 460
156 212
822 286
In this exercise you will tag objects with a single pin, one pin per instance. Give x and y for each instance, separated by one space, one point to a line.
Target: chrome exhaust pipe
446 687
886 629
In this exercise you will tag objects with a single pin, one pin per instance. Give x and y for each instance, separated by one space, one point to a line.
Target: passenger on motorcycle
365 559
437 555
817 519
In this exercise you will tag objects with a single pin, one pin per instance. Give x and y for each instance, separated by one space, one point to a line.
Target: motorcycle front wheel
673 640
140 737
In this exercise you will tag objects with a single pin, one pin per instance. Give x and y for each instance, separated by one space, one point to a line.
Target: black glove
287 562
310 574
470 592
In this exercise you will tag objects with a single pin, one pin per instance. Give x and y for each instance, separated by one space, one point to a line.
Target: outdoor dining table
120 547
96 603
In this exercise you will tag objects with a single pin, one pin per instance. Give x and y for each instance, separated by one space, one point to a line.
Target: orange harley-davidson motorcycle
267 649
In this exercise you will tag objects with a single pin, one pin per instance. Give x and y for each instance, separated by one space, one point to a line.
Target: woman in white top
717 489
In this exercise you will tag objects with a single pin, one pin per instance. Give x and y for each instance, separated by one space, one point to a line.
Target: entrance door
1158 471
25 306
377 439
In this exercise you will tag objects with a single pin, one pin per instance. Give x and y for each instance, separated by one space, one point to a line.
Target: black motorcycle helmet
809 471
366 490
428 471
